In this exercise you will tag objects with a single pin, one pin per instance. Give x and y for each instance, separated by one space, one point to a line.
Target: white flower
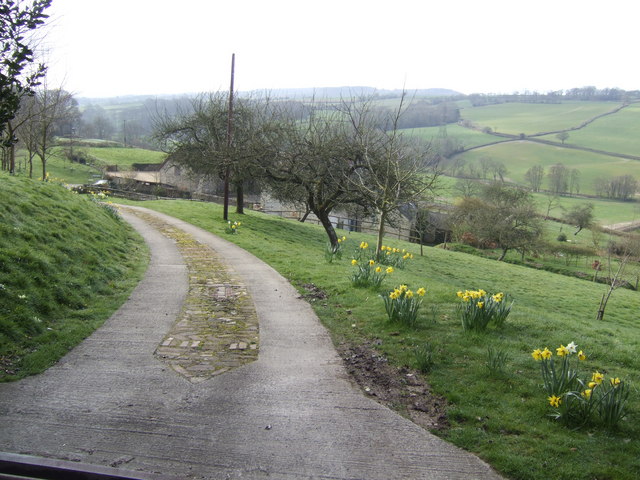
572 347
22 297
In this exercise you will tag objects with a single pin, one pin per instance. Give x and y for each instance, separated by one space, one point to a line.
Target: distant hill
321 92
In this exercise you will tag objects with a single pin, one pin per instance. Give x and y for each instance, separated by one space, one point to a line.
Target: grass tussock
66 263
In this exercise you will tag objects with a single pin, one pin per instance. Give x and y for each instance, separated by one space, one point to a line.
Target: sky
105 48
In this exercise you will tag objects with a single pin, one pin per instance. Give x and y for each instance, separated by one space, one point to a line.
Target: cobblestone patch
217 329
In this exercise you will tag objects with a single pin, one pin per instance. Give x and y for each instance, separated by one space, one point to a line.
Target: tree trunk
240 198
503 254
323 216
383 219
304 217
12 158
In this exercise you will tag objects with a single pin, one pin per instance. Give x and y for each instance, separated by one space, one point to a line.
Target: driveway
291 414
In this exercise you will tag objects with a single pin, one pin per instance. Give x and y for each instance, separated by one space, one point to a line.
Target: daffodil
572 347
389 269
364 245
354 262
592 384
587 393
408 294
459 294
614 381
561 351
597 377
372 262
378 269
403 288
480 304
537 354
421 291
581 356
546 354
554 401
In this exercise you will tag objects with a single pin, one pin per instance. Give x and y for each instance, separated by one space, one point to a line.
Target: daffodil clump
394 257
101 197
402 304
334 252
479 308
232 228
578 401
368 273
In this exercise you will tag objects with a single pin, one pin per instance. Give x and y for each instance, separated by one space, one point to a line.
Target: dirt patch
312 293
400 389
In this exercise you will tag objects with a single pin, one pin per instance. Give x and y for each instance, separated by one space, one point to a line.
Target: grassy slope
66 264
501 418
613 133
532 118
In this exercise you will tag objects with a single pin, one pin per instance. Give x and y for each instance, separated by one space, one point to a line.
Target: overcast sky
120 47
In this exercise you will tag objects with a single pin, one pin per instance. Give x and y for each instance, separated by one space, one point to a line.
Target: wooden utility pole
227 171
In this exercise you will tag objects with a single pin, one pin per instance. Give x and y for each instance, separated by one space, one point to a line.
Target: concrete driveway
292 414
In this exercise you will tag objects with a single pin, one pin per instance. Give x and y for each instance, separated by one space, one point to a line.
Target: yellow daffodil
581 355
614 381
421 291
364 245
480 304
554 401
354 262
561 351
597 377
408 294
592 384
403 288
389 269
587 393
459 294
546 354
378 269
372 262
537 354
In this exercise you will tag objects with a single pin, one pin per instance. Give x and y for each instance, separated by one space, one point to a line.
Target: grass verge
66 263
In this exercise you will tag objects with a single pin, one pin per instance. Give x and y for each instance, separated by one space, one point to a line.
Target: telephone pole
227 171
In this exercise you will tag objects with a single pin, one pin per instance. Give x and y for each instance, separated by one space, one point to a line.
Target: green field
468 137
533 118
613 133
125 157
519 156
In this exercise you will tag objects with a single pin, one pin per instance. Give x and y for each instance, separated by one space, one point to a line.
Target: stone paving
217 329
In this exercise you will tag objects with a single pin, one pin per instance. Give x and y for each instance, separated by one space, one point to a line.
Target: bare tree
396 172
558 176
534 177
614 281
51 109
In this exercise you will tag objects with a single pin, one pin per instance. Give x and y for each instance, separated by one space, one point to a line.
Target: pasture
533 118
